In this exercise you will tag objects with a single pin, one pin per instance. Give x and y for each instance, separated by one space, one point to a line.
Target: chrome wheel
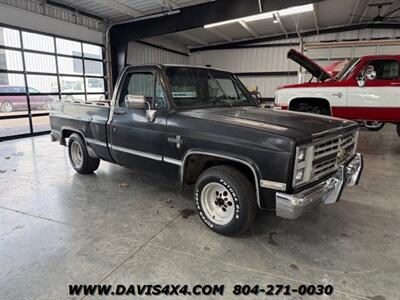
76 154
7 107
374 125
218 204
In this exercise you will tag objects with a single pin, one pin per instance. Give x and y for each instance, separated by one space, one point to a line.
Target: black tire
240 191
86 164
374 125
398 129
6 106
311 108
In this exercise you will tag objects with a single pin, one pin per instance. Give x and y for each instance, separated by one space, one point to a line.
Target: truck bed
88 118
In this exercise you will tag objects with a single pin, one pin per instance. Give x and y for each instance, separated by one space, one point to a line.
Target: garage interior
124 226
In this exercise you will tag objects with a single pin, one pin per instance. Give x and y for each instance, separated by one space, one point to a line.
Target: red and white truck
366 89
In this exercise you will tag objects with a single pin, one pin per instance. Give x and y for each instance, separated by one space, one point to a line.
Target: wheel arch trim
231 157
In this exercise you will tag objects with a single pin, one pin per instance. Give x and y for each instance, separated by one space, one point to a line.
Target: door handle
338 94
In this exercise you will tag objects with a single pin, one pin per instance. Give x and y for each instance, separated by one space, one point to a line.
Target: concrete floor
59 228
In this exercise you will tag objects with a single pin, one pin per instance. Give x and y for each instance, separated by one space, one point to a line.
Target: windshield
351 64
196 87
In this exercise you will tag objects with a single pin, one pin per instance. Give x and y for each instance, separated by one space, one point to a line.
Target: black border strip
229 46
24 135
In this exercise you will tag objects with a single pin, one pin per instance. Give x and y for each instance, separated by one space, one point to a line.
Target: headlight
303 165
299 175
301 155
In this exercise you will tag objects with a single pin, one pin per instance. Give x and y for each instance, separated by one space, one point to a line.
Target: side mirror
135 101
370 73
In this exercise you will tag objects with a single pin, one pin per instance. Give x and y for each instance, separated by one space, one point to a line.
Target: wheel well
195 164
66 133
321 102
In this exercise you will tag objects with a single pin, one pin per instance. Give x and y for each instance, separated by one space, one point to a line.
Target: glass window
11 127
67 65
72 84
42 84
38 42
13 103
96 97
9 37
94 85
68 47
11 60
159 102
41 63
94 68
80 97
41 123
195 87
138 84
92 51
12 83
386 69
39 103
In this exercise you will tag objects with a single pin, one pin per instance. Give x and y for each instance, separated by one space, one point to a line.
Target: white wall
241 60
28 20
139 54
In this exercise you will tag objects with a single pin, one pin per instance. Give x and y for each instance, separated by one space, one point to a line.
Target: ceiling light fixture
268 15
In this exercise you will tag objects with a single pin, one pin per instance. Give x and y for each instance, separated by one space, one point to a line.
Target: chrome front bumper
292 206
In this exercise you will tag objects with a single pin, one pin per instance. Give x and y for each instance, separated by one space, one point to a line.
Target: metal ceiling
119 10
326 14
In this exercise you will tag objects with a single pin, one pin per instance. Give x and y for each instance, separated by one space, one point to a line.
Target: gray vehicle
201 127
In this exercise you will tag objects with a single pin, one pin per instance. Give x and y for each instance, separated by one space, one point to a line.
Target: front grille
330 153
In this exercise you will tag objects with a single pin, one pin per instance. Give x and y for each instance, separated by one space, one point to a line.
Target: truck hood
316 70
301 127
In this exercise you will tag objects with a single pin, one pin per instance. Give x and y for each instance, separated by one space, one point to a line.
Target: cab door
136 141
379 98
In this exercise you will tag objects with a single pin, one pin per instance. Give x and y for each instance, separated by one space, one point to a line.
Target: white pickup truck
366 89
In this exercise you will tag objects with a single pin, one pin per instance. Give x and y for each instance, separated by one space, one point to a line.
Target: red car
367 89
9 103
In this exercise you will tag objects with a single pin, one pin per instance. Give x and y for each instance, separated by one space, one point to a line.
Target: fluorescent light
268 15
296 10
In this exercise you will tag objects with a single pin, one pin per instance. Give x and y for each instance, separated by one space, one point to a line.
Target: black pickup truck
201 126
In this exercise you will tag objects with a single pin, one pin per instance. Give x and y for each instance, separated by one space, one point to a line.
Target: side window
386 69
159 102
138 84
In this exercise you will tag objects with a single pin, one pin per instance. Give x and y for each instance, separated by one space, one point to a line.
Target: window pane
94 68
11 105
72 84
40 124
9 37
92 51
12 83
386 69
11 60
40 63
79 97
68 47
42 84
68 65
38 42
95 85
14 127
96 97
40 103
